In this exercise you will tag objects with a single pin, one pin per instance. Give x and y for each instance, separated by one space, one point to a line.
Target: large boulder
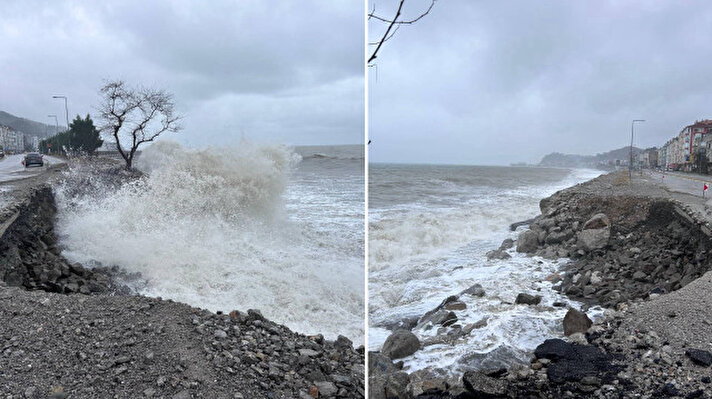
528 241
574 363
400 344
593 238
576 321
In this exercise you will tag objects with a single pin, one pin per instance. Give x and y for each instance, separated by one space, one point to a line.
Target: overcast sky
276 71
495 82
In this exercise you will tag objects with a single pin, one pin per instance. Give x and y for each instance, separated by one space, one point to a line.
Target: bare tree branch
373 15
385 35
134 113
391 23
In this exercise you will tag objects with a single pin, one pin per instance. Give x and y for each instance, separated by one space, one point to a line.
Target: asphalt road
689 183
11 167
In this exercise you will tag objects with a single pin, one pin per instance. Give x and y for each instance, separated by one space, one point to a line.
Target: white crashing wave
423 251
209 228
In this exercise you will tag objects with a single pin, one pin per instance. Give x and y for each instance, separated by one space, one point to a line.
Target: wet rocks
527 241
571 362
498 254
527 299
506 244
30 258
385 379
400 343
475 290
576 321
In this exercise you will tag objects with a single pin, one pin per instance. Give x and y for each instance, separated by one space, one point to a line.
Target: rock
506 244
559 237
640 276
475 290
528 241
457 305
578 338
498 254
516 225
326 388
308 352
503 357
593 238
343 343
527 299
440 317
700 357
576 321
597 221
483 386
572 362
426 380
400 344
220 334
385 380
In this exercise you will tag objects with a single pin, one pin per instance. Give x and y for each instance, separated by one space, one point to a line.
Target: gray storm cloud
277 71
501 82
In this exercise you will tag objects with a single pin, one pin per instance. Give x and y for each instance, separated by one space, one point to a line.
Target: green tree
84 136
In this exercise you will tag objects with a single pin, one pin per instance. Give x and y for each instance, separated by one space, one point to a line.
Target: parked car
33 158
2 153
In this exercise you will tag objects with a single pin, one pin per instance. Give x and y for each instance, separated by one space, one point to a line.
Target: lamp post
630 163
56 124
66 110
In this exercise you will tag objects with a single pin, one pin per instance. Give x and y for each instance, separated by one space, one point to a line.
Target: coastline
71 331
646 229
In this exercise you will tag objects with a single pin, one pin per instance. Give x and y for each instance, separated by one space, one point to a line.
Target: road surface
11 167
689 183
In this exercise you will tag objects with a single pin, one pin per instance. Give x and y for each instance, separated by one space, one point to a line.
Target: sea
248 226
430 227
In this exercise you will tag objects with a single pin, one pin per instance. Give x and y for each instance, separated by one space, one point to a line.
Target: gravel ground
97 346
682 317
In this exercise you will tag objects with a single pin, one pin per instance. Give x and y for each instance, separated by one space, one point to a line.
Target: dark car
33 158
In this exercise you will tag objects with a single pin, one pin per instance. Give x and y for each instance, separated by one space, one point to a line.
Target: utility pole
630 163
66 110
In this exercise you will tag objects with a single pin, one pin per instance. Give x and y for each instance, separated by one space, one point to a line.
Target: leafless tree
393 24
135 116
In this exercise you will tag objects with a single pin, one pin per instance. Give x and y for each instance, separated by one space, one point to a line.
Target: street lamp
66 110
56 124
630 163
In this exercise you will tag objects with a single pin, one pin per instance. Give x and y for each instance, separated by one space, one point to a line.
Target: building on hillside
691 138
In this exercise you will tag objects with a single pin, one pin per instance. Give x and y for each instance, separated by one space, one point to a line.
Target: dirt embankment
71 332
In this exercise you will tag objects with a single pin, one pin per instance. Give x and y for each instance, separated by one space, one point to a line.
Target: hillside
558 159
27 126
